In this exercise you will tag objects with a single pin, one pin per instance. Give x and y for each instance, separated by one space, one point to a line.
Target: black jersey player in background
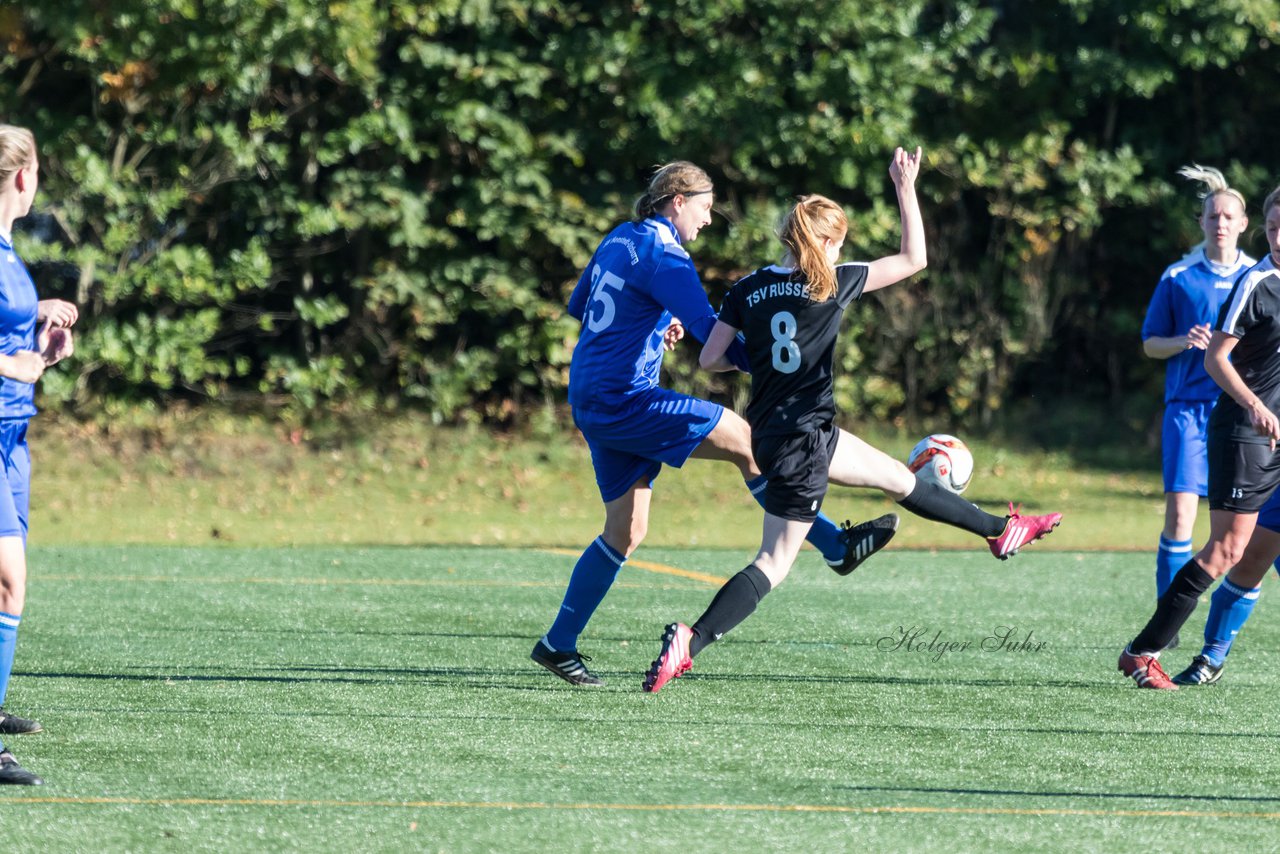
790 315
1244 468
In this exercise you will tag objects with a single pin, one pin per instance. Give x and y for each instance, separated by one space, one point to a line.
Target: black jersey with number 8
790 342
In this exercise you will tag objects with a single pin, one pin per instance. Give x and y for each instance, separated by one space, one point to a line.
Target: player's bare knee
775 572
12 597
1221 557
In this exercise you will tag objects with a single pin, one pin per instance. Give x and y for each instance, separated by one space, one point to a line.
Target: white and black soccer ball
942 460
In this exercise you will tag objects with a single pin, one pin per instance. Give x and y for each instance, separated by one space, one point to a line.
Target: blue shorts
632 442
1269 515
15 500
1182 441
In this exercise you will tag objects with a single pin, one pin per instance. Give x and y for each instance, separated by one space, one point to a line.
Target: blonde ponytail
1214 181
813 220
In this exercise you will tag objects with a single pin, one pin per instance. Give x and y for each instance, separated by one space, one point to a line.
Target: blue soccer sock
824 535
1229 608
1170 557
592 577
8 643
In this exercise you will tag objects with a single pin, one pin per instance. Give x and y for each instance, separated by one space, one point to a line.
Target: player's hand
904 167
1264 422
58 312
55 343
25 366
672 336
1199 336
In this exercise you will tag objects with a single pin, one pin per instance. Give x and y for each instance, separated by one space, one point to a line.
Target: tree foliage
317 202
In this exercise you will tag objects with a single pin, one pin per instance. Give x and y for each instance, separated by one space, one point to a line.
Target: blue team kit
638 281
1190 293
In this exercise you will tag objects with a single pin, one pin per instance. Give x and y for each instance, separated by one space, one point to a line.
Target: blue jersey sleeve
1160 320
678 289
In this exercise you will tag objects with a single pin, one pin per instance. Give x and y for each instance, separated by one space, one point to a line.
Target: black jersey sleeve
850 280
731 310
1240 310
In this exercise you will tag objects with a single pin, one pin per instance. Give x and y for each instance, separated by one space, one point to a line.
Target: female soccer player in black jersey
1244 468
790 316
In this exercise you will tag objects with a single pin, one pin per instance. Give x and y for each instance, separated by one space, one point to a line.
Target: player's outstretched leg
864 540
13 774
673 661
857 463
1019 530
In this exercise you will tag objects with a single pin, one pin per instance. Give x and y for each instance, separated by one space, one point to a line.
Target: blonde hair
673 179
1214 181
17 150
814 219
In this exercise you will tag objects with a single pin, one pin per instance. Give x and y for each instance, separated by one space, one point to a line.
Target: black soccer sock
732 604
936 504
1172 609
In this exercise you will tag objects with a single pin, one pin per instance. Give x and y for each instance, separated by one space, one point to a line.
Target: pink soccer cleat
1020 530
674 660
1145 670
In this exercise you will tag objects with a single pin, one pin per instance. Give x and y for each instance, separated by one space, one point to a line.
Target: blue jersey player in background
1177 328
24 354
636 299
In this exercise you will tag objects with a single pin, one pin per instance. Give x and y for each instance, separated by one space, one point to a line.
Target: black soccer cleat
1202 671
862 541
13 774
567 665
14 725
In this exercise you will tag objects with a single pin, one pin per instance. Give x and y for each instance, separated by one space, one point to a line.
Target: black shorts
1242 475
797 466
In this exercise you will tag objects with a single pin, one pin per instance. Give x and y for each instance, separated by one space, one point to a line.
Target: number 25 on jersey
601 298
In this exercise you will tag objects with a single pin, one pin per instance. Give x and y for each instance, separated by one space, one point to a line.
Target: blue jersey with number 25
638 280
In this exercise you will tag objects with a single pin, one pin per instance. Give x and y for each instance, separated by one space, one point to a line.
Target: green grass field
197 479
381 699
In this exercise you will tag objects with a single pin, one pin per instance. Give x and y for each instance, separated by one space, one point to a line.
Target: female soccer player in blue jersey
1176 328
636 298
1243 358
24 354
790 317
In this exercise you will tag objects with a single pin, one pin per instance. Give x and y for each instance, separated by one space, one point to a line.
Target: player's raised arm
911 257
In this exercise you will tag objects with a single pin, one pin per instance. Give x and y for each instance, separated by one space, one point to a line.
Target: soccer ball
942 460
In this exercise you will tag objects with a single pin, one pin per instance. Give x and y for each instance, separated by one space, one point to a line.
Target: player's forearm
714 355
912 247
718 364
1165 348
1219 367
